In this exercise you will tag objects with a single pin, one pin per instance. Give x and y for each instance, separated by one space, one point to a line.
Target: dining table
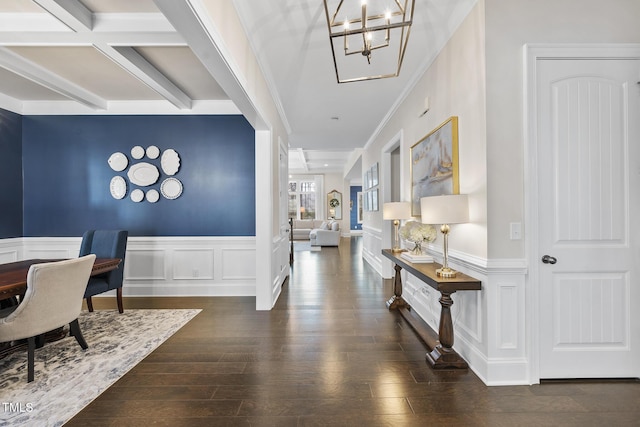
13 275
13 285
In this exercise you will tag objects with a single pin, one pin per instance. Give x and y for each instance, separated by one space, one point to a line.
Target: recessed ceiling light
326 164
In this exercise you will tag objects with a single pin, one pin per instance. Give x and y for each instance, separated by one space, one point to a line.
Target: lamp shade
396 210
448 209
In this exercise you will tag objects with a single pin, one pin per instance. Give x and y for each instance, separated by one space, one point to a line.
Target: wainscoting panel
280 266
10 250
193 264
238 264
507 316
145 264
163 266
372 249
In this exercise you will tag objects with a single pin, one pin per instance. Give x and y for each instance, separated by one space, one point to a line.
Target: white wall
510 25
455 86
271 236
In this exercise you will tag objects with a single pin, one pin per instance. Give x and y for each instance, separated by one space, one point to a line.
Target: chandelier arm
342 33
386 44
333 19
402 9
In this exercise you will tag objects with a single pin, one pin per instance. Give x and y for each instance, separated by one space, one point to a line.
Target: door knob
548 259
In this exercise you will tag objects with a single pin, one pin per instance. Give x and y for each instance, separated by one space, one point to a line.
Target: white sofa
328 234
302 228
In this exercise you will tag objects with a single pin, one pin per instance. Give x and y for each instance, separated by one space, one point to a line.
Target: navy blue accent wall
10 174
353 196
66 175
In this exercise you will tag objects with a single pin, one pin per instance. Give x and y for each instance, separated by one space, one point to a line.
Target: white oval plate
153 152
153 196
171 188
137 152
118 162
118 187
170 161
143 174
137 195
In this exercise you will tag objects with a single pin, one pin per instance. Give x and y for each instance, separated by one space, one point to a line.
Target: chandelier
373 35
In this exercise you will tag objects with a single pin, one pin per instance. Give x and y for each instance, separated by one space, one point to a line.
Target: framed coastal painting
434 164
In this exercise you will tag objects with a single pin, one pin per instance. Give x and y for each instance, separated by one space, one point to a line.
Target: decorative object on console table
445 210
396 211
417 234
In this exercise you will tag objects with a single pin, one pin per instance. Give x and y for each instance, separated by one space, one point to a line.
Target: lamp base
446 272
397 249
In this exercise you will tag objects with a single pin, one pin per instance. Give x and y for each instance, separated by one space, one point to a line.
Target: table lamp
445 210
396 211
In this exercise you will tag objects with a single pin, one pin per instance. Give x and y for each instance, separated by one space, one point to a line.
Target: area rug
68 378
305 246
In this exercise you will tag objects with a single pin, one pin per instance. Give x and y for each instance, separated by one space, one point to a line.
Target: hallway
329 353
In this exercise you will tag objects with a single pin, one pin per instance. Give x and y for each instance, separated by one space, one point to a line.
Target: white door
588 153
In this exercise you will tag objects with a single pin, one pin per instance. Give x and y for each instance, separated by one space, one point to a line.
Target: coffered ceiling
126 57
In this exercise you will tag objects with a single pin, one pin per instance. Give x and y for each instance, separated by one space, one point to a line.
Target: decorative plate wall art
137 195
145 174
137 152
171 188
118 162
118 187
153 152
152 196
170 162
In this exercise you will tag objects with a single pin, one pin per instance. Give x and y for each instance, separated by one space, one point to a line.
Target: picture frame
374 175
374 202
360 207
434 164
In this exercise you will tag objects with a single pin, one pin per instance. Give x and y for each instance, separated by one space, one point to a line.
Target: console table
441 354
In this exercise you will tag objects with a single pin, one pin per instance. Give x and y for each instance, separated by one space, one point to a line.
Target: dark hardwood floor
329 353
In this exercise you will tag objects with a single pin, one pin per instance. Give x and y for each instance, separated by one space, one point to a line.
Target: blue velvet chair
105 244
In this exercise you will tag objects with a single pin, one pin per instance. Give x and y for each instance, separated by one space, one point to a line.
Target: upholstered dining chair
53 299
105 244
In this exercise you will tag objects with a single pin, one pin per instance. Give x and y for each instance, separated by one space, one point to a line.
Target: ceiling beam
208 46
129 59
71 13
303 159
31 71
57 38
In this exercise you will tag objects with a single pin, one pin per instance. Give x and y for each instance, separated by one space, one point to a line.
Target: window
302 199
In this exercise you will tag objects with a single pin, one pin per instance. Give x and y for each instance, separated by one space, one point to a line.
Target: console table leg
396 301
446 324
443 356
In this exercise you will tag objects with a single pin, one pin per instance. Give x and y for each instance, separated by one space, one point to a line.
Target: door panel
588 163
